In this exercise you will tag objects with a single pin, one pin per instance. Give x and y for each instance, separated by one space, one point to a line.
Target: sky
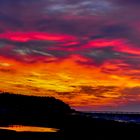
84 52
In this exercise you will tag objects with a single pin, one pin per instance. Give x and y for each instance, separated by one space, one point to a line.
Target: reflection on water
21 128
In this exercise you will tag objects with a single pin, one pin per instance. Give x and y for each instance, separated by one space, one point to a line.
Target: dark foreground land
50 112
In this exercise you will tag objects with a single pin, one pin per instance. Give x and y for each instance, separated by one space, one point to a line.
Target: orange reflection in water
21 128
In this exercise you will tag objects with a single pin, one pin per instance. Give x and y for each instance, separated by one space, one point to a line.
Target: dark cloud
93 92
133 63
61 25
10 21
132 91
7 70
30 50
102 55
128 2
69 95
116 31
128 101
97 91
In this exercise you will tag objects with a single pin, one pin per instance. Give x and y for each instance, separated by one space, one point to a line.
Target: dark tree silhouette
25 109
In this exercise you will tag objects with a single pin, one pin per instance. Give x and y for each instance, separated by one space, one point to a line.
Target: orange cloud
64 80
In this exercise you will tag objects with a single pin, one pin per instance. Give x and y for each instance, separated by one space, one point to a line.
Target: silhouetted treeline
22 108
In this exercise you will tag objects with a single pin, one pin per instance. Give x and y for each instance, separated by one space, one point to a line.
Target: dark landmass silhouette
48 111
33 110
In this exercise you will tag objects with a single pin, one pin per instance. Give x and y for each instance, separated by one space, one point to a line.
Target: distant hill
31 109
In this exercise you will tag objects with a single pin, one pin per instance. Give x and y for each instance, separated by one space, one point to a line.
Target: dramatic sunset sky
84 52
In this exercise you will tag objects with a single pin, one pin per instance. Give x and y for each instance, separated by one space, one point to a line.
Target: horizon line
111 112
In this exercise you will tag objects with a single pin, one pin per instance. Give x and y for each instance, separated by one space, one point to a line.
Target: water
120 117
22 128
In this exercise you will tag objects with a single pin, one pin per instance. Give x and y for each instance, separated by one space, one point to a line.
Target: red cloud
27 36
118 45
